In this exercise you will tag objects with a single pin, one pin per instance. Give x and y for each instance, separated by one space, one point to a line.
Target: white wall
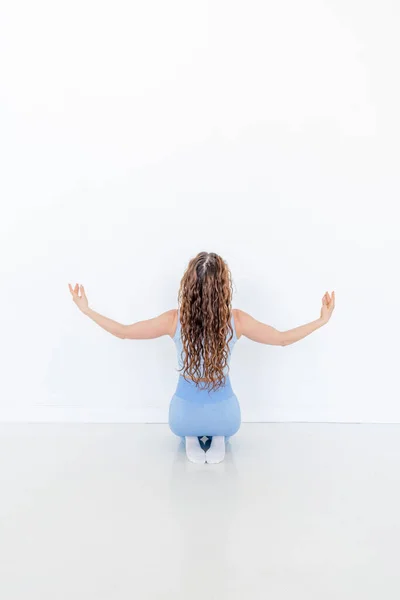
134 135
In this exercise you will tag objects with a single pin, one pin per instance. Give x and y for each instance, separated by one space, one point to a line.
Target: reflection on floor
296 511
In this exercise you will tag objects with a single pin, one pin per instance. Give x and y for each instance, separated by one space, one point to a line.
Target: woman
204 329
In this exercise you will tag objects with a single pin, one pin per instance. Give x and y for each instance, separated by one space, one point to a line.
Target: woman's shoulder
174 312
236 312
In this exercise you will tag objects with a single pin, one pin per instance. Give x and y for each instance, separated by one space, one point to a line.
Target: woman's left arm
151 328
142 330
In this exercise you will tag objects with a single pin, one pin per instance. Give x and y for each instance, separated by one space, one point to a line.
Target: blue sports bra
179 346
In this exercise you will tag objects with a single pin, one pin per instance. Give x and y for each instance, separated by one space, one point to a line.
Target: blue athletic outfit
196 412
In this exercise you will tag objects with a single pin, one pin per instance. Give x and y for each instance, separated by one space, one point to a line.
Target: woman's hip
188 417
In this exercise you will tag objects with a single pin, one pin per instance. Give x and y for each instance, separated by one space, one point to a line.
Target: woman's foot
216 452
194 452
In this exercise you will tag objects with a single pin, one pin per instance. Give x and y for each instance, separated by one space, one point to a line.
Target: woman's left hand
328 304
81 301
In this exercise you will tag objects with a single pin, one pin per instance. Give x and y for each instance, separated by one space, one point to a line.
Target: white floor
296 511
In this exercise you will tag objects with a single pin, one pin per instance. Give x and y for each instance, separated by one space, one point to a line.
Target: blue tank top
179 346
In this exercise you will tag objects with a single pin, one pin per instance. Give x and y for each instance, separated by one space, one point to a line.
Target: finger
328 299
83 291
70 289
333 299
76 288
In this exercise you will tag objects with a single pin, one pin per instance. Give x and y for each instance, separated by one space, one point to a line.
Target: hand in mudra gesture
80 300
328 304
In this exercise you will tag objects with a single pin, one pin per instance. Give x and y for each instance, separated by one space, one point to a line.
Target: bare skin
165 323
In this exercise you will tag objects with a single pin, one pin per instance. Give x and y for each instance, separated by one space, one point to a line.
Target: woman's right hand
81 301
328 304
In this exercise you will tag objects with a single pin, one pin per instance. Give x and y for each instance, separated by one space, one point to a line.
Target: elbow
283 340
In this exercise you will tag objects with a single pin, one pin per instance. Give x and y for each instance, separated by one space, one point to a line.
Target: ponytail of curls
205 296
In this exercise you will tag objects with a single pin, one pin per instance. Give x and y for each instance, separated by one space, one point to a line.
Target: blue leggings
197 412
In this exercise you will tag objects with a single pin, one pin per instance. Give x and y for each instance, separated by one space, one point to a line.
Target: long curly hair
204 299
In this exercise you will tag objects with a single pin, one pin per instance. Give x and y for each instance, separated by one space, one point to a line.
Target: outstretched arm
151 328
142 330
265 334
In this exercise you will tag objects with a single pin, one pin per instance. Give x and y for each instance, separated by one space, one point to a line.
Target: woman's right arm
265 334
